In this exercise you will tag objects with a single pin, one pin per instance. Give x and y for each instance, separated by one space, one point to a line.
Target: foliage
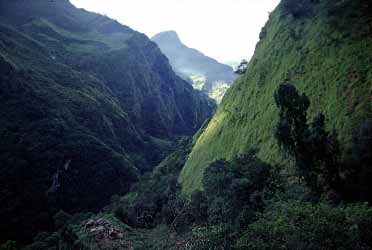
298 225
46 241
242 67
9 245
315 150
154 199
241 207
213 237
235 190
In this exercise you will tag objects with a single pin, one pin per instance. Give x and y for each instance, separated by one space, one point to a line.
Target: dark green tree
315 151
242 67
234 189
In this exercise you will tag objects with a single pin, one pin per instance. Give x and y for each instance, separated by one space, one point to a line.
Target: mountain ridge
87 105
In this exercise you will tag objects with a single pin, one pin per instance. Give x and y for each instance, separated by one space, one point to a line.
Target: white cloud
224 29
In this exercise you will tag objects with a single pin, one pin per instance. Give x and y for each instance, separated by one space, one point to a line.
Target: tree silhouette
315 151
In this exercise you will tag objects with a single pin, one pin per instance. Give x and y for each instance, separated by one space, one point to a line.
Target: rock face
87 104
324 48
105 233
192 64
103 230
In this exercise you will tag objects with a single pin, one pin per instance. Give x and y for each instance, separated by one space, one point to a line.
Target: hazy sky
224 29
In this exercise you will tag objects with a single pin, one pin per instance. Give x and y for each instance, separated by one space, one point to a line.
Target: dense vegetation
245 203
203 72
322 47
87 105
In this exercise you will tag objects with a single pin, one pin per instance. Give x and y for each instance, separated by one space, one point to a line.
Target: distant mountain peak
169 35
203 72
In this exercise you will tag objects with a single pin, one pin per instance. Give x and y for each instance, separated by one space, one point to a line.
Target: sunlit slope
322 47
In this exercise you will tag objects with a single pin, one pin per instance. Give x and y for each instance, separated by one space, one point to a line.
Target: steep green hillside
86 105
324 48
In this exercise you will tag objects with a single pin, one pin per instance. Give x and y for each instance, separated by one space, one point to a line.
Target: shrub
216 237
9 245
296 225
236 187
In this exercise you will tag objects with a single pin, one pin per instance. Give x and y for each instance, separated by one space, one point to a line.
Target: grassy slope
326 54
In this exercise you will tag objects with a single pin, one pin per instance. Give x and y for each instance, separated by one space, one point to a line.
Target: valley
112 140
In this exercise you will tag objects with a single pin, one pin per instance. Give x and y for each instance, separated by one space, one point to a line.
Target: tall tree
315 151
